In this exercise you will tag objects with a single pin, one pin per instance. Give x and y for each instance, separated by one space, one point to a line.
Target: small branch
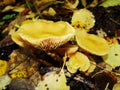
37 9
72 77
114 21
27 3
79 78
85 81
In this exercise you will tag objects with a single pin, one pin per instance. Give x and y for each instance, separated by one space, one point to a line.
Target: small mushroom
78 61
43 34
83 18
92 43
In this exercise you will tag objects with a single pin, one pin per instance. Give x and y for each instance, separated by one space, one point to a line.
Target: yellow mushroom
78 61
83 18
92 43
43 34
67 49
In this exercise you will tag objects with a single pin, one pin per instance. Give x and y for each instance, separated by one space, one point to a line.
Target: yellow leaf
110 3
19 74
84 3
113 57
53 81
116 86
3 67
4 81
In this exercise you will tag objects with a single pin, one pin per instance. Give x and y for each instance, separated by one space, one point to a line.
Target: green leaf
108 3
28 5
2 23
113 57
9 16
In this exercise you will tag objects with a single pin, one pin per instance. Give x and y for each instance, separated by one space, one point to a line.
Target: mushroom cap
92 43
43 34
83 18
78 61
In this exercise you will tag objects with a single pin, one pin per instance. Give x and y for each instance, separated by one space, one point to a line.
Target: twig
71 77
79 78
83 80
114 21
27 3
38 11
45 6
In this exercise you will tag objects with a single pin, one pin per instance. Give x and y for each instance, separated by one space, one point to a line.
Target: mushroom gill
43 34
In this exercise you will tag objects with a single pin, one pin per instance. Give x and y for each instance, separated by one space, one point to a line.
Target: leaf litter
36 68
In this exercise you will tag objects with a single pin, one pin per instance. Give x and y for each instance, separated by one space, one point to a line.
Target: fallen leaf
108 3
4 81
53 81
3 67
116 86
113 57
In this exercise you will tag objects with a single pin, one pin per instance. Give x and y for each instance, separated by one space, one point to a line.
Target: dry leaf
4 81
53 81
113 57
116 86
3 67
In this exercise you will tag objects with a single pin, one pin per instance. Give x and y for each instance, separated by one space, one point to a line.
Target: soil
107 19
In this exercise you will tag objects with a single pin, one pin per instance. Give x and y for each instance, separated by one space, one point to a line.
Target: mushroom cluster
47 35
